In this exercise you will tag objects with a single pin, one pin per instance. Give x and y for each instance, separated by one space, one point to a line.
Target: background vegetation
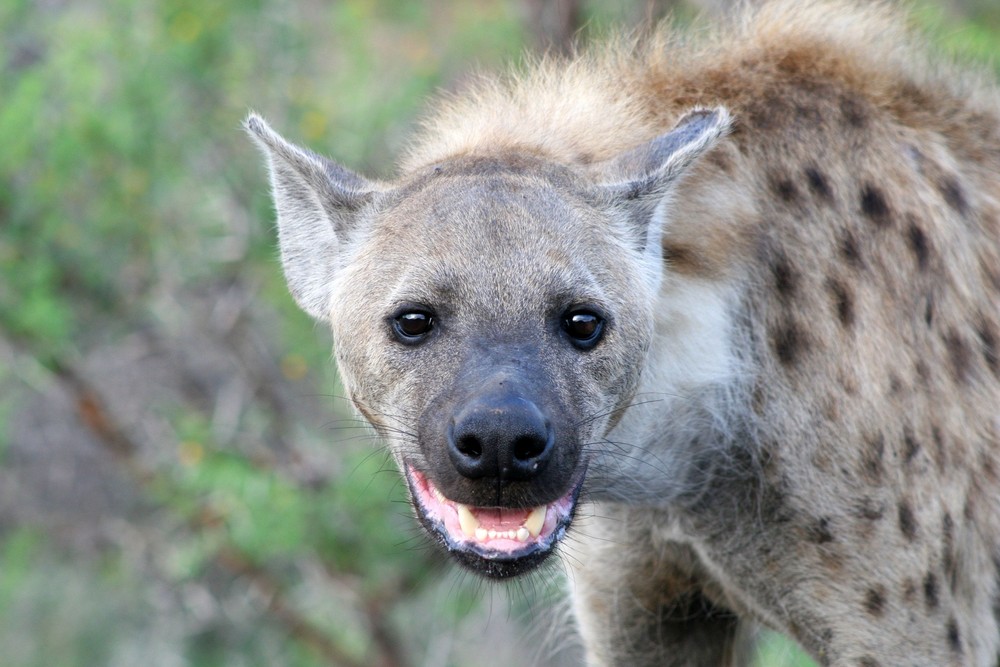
180 483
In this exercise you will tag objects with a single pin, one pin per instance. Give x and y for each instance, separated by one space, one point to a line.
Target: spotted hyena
720 318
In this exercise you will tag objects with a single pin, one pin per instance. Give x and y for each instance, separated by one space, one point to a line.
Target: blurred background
181 482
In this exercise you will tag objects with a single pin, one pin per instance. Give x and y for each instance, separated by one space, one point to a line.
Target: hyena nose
503 437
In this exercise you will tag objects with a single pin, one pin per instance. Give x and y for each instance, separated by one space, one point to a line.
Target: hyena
720 317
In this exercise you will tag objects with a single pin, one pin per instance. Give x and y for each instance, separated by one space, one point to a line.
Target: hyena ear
317 203
641 179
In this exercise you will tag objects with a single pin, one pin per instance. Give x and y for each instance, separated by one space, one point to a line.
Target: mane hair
608 97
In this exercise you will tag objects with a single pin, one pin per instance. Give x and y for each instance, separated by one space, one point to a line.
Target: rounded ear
317 203
640 179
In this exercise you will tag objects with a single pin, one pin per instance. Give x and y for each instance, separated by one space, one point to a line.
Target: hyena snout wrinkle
502 435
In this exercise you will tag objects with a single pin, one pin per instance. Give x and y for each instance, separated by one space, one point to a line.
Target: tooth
522 534
535 520
492 533
467 520
481 534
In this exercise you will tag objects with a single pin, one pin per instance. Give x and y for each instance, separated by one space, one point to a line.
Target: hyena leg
645 605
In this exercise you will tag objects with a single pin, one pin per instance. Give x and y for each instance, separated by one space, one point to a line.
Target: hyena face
491 316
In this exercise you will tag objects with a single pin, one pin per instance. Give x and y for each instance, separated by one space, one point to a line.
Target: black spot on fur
874 206
923 372
871 458
919 245
952 192
819 532
853 111
786 279
843 303
818 184
948 549
875 601
868 661
785 190
954 637
907 522
850 251
959 354
788 342
929 311
870 509
910 446
931 593
940 453
990 347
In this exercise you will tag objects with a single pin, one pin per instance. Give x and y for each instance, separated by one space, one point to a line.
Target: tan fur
812 440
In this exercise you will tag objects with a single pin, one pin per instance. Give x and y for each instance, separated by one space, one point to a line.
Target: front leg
644 602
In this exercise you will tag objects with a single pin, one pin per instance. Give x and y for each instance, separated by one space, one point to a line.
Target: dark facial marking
907 522
874 206
931 593
875 600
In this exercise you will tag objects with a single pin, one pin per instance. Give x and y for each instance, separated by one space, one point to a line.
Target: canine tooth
535 520
481 534
492 533
522 534
467 520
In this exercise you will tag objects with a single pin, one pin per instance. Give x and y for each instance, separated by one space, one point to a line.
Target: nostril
528 447
469 445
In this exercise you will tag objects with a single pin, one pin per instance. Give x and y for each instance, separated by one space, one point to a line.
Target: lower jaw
498 564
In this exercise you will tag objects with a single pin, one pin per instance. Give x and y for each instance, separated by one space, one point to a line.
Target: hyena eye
584 327
412 325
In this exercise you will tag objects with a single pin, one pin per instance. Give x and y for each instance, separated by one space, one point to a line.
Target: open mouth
497 542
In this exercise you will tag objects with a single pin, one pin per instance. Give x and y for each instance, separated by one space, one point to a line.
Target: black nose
504 436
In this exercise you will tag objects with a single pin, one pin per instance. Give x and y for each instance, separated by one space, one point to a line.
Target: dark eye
411 326
584 327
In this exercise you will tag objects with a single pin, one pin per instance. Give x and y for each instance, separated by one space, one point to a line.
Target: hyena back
730 308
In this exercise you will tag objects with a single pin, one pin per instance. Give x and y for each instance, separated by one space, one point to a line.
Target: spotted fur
811 443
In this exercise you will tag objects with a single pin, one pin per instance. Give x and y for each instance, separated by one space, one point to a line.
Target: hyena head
491 317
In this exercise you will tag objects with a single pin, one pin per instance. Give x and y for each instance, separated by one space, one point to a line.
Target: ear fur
317 203
641 179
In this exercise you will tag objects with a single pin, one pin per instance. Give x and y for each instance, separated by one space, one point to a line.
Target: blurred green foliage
126 186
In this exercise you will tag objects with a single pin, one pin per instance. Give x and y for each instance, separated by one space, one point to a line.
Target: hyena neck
687 421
